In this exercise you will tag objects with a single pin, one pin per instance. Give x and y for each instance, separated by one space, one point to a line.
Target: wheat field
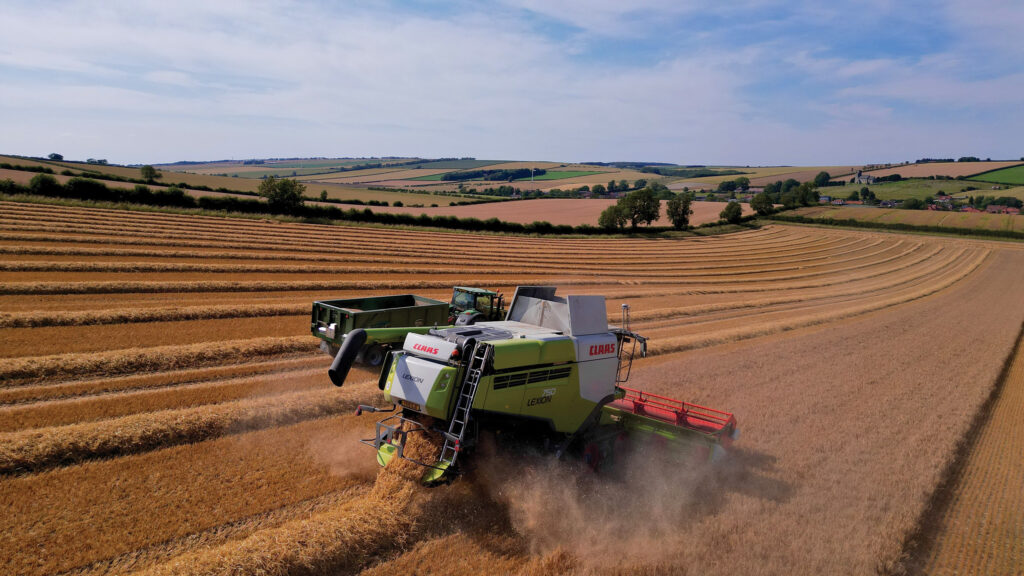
164 410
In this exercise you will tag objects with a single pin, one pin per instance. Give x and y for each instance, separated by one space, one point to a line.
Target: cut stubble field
557 211
206 407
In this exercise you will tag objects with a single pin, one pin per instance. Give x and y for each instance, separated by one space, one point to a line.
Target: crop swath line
177 396
21 395
152 555
41 448
652 317
21 371
672 345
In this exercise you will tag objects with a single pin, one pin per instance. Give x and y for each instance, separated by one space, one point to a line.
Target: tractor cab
476 303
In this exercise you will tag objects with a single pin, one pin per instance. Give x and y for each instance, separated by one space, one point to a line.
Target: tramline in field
548 375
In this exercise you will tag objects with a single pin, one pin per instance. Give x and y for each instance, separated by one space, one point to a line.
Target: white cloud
165 81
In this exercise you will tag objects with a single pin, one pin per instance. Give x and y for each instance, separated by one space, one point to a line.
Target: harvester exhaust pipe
346 356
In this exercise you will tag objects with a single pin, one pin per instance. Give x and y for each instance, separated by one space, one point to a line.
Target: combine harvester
548 375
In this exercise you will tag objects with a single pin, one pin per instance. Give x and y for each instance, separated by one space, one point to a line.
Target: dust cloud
344 455
639 512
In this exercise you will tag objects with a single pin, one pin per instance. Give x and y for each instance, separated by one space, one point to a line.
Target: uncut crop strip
875 286
176 396
306 234
111 287
104 216
484 242
25 342
40 448
229 265
148 556
703 339
21 395
117 316
228 241
982 528
22 371
103 509
670 261
691 271
935 271
335 542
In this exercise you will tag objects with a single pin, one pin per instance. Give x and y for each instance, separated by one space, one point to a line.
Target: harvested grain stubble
339 541
103 509
22 371
39 448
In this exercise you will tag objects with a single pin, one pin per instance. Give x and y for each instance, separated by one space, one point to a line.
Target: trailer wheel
373 355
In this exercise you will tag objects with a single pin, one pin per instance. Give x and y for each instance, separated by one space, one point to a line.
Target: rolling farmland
164 410
950 169
946 219
557 211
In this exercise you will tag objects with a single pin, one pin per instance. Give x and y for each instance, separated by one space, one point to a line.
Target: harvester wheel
592 456
373 355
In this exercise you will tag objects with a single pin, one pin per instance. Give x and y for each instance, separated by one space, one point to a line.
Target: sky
740 82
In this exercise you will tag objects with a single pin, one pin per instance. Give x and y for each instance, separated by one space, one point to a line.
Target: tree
149 173
762 204
727 186
641 183
807 194
44 185
743 183
612 186
56 157
323 195
853 196
282 194
822 179
612 217
598 189
624 185
641 207
732 213
678 210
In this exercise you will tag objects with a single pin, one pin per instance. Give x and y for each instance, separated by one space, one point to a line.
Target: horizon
756 83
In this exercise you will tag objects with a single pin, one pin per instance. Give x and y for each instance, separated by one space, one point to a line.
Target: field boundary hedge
86 189
898 226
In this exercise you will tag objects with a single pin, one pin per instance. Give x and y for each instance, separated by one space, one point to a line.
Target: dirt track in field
164 410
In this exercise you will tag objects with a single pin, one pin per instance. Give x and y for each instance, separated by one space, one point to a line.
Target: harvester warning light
599 349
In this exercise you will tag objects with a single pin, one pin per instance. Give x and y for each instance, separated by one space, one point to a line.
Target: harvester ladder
460 418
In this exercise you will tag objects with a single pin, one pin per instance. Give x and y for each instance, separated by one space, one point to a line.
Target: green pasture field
563 174
1013 175
430 178
919 188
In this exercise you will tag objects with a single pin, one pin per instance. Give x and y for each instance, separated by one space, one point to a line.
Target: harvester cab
547 375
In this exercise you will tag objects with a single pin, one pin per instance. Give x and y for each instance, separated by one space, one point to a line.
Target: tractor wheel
373 355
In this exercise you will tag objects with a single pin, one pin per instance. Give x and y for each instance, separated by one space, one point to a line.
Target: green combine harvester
549 374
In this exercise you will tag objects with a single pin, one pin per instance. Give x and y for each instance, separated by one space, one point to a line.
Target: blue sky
742 82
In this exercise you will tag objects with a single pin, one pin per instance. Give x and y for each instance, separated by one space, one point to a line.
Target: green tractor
549 373
388 317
